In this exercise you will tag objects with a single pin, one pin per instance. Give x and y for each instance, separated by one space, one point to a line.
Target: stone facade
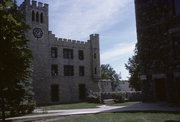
124 87
64 70
105 85
158 34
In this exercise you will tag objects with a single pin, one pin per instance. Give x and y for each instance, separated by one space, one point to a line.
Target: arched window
37 17
41 17
33 16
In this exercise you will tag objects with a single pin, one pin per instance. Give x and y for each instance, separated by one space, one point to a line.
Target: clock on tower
37 32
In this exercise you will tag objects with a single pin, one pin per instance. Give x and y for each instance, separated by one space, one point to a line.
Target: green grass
123 117
124 104
70 106
81 106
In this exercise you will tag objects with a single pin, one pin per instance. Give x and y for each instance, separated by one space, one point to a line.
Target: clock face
37 32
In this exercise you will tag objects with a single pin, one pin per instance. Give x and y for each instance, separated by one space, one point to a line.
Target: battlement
35 4
71 41
94 36
63 40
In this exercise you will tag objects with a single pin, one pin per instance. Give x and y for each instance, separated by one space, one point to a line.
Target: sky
114 20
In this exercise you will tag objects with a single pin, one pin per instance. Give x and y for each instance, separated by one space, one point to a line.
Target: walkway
140 107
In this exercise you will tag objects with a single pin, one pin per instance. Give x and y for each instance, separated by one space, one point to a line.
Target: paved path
143 107
53 113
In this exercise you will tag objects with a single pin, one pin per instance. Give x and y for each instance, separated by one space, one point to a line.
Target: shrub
23 108
93 98
118 97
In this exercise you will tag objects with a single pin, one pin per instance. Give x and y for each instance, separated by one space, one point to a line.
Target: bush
118 97
23 108
93 98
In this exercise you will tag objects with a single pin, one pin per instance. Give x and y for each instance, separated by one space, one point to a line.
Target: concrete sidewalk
148 107
140 107
54 113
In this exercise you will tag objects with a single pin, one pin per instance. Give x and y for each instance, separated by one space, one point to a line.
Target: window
41 17
81 70
53 52
37 17
54 93
33 16
94 55
68 53
68 70
177 6
95 70
81 55
54 70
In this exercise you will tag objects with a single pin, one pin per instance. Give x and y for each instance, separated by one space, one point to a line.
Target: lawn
124 104
81 106
123 117
70 106
113 117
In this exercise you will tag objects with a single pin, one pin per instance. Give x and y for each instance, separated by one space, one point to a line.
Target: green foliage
16 58
107 72
93 97
118 97
24 108
133 67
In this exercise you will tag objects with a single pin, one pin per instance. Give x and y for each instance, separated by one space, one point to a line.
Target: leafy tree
15 60
107 72
133 67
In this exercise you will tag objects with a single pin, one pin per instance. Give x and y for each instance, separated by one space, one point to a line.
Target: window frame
68 70
81 71
54 70
54 52
81 54
68 53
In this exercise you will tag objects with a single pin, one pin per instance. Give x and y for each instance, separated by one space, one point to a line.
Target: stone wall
158 34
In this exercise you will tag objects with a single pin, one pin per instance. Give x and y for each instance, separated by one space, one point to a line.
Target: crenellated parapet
35 4
66 41
94 36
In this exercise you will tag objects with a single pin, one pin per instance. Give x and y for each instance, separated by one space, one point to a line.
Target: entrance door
160 89
82 91
54 93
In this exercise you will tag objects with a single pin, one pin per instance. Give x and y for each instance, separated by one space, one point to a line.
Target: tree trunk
3 106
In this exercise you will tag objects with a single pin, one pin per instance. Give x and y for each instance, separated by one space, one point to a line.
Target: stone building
124 87
64 70
158 34
105 85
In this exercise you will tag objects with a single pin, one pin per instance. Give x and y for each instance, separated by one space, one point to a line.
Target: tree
15 59
133 67
107 72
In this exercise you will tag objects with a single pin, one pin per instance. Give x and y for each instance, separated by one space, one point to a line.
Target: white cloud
79 18
115 53
117 56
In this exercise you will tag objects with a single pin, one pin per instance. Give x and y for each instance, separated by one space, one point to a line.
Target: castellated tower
36 16
64 70
94 41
